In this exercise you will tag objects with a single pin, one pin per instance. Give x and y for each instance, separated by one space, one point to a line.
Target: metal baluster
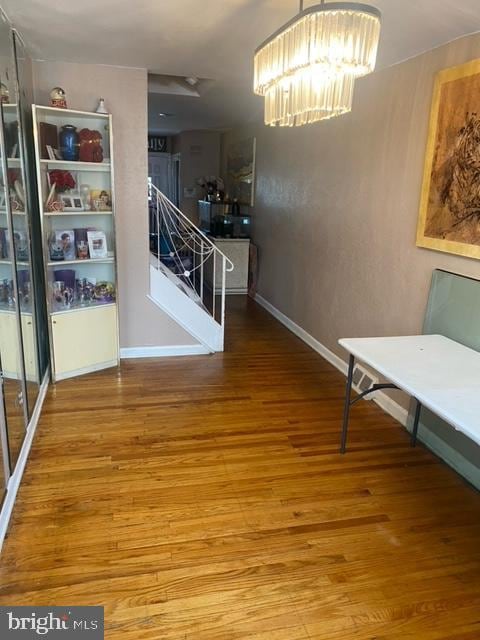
201 269
194 264
214 277
157 213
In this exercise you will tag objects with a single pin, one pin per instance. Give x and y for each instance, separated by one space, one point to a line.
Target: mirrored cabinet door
21 214
33 308
12 250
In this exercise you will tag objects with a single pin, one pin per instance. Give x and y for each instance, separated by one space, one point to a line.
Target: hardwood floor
204 498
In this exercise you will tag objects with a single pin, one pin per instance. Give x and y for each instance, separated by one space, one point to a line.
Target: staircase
187 272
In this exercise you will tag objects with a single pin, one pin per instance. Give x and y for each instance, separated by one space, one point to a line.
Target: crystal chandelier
306 70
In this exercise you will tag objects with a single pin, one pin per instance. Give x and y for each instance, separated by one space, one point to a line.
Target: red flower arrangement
63 180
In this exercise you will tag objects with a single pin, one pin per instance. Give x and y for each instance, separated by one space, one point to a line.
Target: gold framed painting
449 217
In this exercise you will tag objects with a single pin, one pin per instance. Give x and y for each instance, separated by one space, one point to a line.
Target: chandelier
306 70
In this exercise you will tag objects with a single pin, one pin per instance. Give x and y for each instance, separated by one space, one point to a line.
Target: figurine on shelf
90 146
58 98
101 106
85 291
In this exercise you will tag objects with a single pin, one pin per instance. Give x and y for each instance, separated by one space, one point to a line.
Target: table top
442 374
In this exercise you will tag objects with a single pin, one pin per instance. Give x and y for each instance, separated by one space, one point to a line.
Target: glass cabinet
76 200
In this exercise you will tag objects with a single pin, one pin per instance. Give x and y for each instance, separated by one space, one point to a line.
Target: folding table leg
418 408
346 408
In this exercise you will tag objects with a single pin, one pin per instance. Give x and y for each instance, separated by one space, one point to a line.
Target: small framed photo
65 239
51 152
71 202
97 244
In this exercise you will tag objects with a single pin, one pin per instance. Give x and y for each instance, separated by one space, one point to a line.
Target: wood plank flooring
204 498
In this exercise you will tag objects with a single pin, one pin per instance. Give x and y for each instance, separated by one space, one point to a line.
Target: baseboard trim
16 477
164 352
312 342
438 446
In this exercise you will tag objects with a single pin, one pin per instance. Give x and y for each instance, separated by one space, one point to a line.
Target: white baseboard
438 446
317 346
163 352
16 477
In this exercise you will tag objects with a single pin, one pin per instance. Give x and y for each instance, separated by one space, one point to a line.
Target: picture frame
449 212
65 238
71 202
97 244
241 160
50 152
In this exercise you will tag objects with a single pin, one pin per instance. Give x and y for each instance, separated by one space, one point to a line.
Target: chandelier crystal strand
306 70
306 98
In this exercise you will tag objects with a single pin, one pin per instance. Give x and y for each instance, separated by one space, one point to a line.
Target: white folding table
441 374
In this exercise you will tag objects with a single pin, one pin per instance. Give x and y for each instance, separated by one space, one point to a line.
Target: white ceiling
212 39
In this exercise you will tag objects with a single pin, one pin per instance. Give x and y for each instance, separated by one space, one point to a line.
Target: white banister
188 255
222 313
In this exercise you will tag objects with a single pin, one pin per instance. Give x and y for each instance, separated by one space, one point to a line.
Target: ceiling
214 40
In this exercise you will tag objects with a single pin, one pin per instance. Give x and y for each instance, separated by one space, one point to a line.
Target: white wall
125 94
199 156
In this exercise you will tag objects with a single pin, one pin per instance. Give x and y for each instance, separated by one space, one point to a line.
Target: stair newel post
222 316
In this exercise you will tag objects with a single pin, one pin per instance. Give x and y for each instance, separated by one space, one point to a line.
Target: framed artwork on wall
241 171
449 217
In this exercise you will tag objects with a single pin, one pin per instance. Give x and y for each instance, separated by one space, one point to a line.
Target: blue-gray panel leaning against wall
454 311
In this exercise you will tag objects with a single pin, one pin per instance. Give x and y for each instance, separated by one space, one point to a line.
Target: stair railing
190 257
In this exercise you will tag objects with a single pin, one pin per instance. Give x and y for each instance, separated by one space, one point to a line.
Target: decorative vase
85 195
69 143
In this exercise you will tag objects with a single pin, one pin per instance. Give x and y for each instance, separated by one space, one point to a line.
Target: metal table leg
346 408
418 408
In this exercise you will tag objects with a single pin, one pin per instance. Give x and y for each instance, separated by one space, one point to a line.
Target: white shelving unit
83 332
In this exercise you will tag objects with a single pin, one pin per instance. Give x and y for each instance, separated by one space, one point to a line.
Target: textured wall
125 93
199 157
336 209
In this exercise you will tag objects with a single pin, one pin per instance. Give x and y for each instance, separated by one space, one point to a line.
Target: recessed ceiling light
165 115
